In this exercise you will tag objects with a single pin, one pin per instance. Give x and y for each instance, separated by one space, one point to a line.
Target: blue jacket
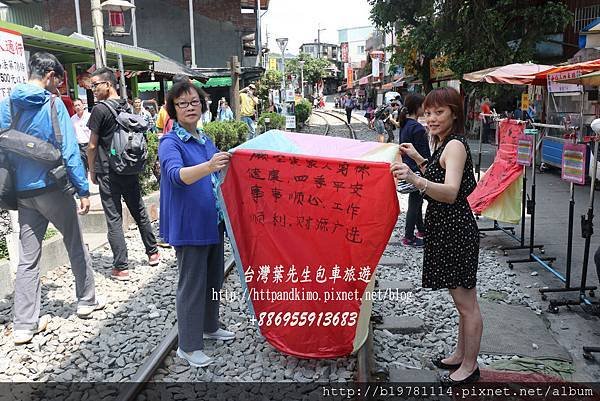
34 104
188 213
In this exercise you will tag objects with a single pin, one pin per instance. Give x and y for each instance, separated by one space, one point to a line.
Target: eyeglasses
96 84
183 105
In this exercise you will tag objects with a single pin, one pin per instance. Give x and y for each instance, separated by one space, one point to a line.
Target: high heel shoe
447 366
447 381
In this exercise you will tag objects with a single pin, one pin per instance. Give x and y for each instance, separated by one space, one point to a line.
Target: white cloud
299 20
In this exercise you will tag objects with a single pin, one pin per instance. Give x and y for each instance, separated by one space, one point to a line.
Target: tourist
248 103
192 221
42 199
80 120
115 187
411 131
451 253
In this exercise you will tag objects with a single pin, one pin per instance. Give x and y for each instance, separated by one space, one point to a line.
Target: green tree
471 34
270 80
315 69
418 41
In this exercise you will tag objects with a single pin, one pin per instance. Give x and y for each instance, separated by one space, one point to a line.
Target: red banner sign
503 171
344 51
573 163
309 232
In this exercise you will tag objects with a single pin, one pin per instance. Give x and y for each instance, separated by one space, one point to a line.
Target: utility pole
234 95
98 28
78 16
257 35
134 24
192 36
122 84
282 42
319 41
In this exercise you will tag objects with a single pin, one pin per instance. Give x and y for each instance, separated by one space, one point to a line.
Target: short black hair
42 63
106 74
178 90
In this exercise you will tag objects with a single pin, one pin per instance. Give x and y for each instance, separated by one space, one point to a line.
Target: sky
298 20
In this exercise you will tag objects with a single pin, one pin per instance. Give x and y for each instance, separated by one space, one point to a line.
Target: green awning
78 50
214 82
149 86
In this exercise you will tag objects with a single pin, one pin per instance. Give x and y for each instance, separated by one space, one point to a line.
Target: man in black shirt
113 186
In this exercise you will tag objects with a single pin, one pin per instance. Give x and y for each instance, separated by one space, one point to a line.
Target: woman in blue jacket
192 221
411 131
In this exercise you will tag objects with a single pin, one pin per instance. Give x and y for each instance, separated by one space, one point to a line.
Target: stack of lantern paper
309 218
498 193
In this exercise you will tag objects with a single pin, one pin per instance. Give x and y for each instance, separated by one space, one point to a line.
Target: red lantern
116 21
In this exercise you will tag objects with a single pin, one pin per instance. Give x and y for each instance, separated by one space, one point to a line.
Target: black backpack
128 149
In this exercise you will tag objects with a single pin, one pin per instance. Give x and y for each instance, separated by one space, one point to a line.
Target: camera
59 175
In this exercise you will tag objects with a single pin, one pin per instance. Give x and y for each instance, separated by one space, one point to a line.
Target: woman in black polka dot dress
451 235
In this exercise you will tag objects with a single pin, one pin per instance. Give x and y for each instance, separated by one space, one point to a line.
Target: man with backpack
45 192
349 105
114 171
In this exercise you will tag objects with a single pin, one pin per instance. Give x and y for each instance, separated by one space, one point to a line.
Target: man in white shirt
80 120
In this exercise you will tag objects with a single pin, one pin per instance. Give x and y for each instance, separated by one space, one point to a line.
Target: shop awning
149 86
364 80
214 82
78 50
512 74
585 68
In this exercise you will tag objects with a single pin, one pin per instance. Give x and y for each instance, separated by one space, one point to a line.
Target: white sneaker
25 336
84 311
220 334
197 359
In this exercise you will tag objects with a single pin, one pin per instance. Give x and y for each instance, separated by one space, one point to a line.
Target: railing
585 15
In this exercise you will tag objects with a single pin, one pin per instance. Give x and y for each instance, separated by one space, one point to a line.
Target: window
360 49
585 15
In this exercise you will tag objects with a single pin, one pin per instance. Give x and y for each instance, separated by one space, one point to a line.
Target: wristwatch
424 163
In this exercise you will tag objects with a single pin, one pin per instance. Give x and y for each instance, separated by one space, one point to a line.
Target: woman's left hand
401 171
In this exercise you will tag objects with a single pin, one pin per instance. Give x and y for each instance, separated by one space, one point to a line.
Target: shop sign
559 87
13 65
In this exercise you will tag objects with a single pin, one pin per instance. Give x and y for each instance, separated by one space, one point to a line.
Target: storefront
77 56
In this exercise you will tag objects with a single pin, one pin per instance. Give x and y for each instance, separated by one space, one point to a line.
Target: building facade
327 51
221 29
356 39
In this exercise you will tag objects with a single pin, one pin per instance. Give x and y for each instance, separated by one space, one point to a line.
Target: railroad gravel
435 308
113 344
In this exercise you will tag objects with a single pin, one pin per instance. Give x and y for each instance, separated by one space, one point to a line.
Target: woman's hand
409 150
402 172
219 161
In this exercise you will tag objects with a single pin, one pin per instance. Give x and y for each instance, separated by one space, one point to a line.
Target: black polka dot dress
451 236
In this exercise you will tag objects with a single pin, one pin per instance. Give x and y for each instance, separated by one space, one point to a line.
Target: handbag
28 146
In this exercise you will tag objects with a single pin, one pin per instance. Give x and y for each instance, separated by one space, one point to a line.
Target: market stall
570 106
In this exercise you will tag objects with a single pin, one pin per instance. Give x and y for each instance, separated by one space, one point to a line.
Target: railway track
325 114
156 359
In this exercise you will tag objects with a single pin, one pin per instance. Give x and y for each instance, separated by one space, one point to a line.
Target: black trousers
414 215
113 187
349 114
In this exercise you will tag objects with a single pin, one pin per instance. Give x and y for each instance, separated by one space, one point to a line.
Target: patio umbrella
513 74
